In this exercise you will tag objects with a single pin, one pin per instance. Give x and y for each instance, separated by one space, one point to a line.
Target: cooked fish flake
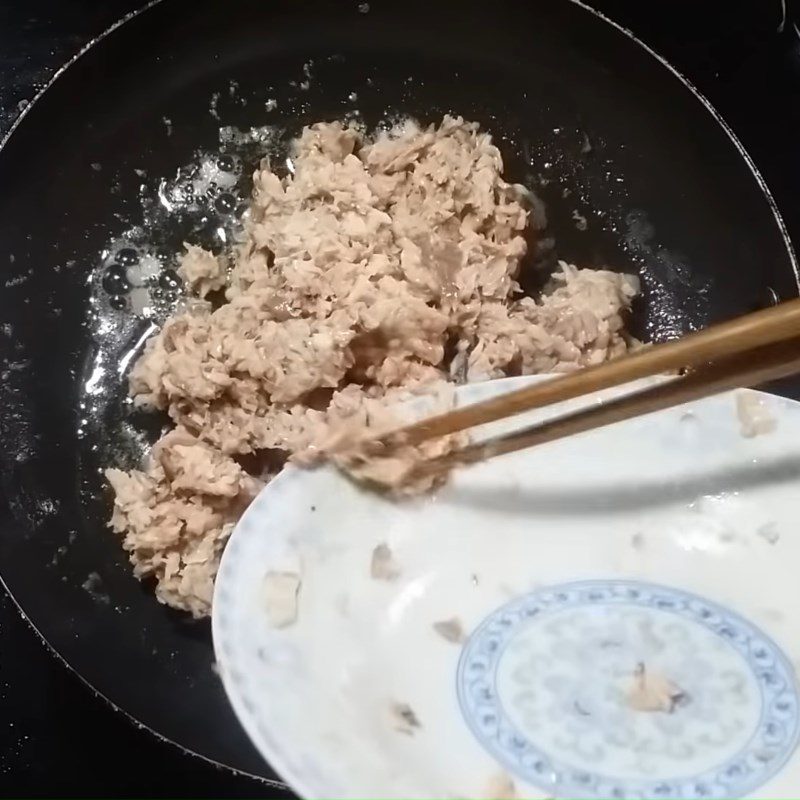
404 718
500 787
376 265
383 566
450 629
652 691
281 591
755 417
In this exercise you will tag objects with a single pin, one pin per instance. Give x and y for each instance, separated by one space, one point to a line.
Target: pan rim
704 101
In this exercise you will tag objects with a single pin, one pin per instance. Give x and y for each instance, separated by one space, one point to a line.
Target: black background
55 737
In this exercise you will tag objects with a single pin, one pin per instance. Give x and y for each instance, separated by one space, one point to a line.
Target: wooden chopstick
748 368
717 342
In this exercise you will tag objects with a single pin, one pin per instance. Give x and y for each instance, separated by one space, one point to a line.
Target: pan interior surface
634 172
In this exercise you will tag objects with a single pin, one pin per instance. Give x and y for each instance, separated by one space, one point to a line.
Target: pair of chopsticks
746 351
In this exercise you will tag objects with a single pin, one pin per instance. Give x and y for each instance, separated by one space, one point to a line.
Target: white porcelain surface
664 547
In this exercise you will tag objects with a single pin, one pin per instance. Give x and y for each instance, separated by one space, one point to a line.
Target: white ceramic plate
612 615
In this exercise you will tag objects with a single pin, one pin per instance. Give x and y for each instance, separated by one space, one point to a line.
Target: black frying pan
576 104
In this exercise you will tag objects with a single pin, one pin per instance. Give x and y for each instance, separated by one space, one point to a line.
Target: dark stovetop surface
55 737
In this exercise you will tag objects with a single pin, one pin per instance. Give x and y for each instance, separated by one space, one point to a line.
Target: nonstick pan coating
582 112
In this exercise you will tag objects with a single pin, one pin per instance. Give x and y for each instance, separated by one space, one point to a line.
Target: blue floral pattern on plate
548 684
